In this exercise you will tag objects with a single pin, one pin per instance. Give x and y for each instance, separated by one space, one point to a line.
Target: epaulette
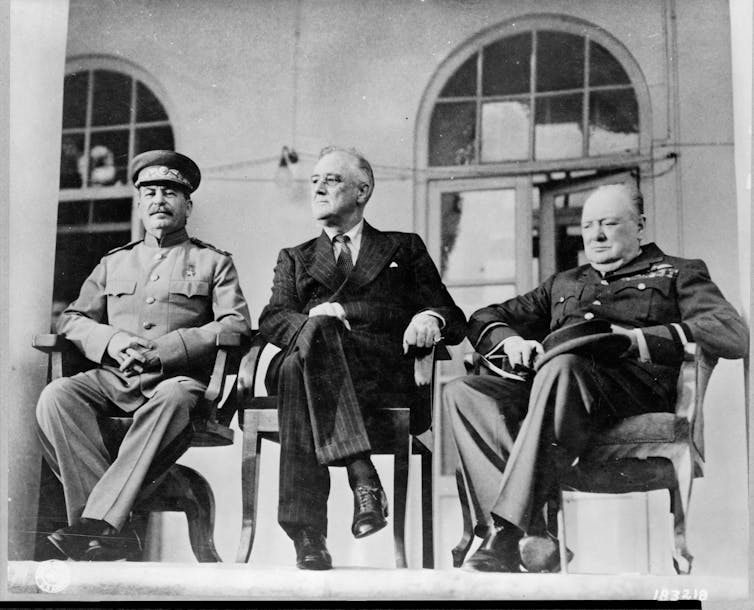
125 247
202 244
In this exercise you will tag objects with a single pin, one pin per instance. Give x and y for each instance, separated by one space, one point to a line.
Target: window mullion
532 90
585 103
478 117
88 126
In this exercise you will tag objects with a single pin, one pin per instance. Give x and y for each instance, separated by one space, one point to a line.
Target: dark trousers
320 419
512 436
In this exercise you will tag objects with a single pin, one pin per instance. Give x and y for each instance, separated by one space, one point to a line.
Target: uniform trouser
95 486
320 419
512 436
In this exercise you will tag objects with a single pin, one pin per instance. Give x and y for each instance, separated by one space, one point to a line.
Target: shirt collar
354 234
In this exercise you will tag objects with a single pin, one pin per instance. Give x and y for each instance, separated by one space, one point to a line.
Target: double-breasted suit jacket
327 375
394 279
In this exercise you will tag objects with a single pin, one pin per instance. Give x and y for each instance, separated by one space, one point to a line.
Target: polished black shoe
541 553
498 551
311 551
74 541
115 546
369 510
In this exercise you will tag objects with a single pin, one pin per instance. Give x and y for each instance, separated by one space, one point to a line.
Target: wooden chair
169 486
639 454
258 419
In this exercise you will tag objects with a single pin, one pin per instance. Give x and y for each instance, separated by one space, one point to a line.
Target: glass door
480 238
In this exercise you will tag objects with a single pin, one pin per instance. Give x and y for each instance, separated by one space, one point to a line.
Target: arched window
539 94
110 114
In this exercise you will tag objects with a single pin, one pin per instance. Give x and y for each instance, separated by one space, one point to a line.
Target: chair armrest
50 342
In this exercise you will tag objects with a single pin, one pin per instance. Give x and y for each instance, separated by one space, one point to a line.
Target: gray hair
361 161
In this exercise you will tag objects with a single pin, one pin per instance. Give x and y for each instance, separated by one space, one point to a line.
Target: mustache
160 210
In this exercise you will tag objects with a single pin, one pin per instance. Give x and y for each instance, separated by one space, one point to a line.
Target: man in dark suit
511 435
148 315
344 308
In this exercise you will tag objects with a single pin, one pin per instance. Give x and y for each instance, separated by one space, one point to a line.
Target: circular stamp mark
52 576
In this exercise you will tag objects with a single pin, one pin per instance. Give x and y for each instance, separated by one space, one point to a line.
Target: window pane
505 131
150 138
148 107
109 157
73 213
74 99
451 134
112 210
560 61
478 235
463 82
613 122
471 298
76 254
557 130
70 155
507 65
604 69
112 98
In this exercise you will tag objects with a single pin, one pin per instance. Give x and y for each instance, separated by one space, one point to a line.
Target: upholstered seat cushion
645 428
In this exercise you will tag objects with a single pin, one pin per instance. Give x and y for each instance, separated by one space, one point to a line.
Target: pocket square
393 264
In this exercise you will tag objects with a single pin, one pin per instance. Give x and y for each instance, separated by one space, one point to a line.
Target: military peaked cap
165 166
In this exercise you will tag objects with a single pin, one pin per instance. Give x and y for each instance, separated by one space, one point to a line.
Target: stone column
38 31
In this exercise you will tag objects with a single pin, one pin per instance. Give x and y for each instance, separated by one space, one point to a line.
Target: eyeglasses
331 180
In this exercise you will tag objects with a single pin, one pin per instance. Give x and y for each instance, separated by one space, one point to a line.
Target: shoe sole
58 546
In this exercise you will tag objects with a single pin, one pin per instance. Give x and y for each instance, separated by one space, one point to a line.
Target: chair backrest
692 385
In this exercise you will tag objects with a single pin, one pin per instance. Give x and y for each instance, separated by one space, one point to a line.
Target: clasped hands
423 331
133 354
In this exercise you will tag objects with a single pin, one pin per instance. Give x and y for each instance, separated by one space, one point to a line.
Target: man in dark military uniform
149 315
510 434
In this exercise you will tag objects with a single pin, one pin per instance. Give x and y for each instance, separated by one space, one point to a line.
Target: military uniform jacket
672 300
179 294
394 279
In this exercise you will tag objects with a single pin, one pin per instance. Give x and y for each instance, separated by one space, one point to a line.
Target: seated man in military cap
149 315
512 434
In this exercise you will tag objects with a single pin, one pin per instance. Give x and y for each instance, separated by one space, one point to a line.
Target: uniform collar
171 239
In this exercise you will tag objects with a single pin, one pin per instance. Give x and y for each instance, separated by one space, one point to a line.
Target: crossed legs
511 436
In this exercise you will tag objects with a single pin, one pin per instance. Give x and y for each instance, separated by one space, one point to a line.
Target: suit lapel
376 251
320 263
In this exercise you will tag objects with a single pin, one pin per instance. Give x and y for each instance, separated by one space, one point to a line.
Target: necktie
344 262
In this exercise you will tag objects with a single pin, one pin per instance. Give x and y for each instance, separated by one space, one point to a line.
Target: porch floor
228 581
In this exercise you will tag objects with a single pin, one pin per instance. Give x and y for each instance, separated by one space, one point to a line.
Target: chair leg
428 543
200 514
467 537
562 537
680 497
249 484
682 558
400 487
